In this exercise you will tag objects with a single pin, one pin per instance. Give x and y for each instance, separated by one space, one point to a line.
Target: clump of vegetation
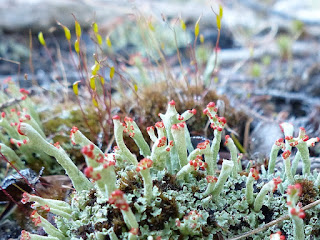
161 197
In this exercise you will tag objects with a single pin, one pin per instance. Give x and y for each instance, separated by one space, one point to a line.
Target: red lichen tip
19 129
128 119
219 129
305 138
162 142
211 179
3 114
276 182
286 154
88 151
279 142
25 235
180 118
198 163
294 189
289 138
211 105
151 128
88 171
227 139
74 130
205 111
172 103
182 124
174 127
193 111
116 117
254 173
25 198
203 145
24 91
222 120
159 125
117 198
144 164
277 235
134 231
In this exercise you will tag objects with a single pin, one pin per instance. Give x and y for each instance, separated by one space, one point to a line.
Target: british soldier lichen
161 197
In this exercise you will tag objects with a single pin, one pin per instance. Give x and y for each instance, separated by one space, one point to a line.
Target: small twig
9 103
274 222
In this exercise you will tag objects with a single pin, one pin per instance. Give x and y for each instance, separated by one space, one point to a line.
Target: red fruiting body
109 163
301 214
88 151
306 138
134 231
205 111
181 125
222 120
24 141
180 118
226 138
36 218
24 97
159 125
12 110
144 164
27 116
172 103
279 142
117 199
211 179
219 129
24 91
289 138
127 119
162 142
151 128
198 163
276 182
203 145
3 114
178 223
174 127
193 111
25 235
74 130
286 154
293 144
211 105
282 237
45 208
116 117
19 129
254 173
293 189
88 171
57 145
25 198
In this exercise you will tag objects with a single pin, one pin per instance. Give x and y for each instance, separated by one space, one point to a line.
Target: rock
41 15
264 136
